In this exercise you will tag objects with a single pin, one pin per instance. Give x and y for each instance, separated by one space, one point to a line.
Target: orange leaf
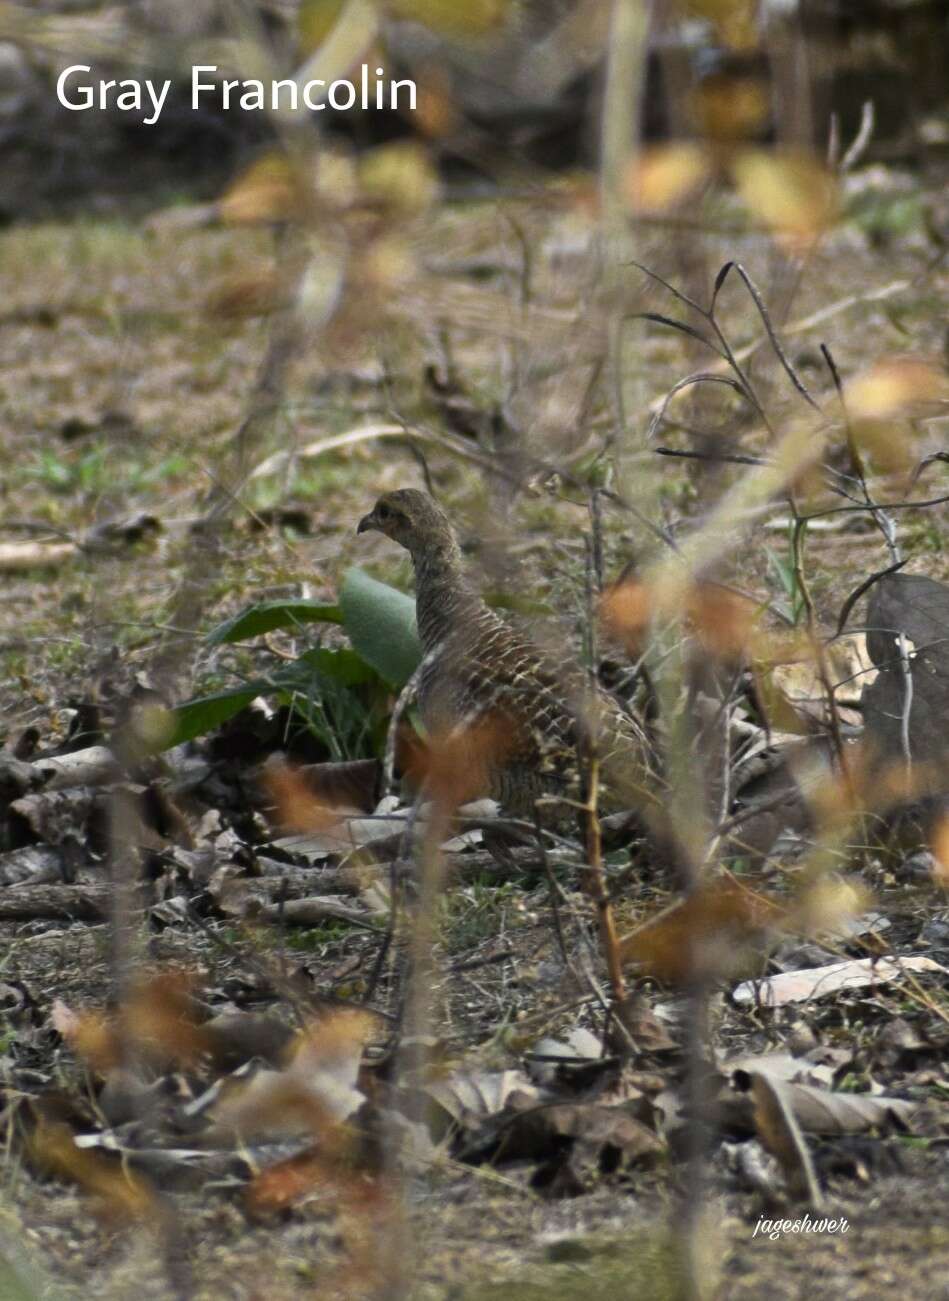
939 845
270 190
711 934
666 175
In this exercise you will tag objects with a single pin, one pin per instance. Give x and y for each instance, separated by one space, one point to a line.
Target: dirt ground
122 382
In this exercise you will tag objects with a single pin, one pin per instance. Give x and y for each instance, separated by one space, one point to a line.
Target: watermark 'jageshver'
774 1228
77 91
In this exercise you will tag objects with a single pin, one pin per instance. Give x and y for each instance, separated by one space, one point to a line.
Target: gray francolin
479 673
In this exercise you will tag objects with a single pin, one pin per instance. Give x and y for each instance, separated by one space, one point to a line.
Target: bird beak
367 522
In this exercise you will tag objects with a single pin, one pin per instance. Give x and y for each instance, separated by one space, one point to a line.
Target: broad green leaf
268 615
207 712
344 666
380 623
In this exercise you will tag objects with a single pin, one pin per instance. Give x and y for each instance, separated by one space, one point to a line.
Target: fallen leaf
818 982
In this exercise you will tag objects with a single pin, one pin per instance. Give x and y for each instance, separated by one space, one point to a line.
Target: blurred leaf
455 766
313 797
315 20
298 806
825 906
898 387
451 18
730 108
271 189
435 113
939 844
792 194
666 175
270 615
734 20
254 293
717 930
780 714
380 622
399 176
124 1193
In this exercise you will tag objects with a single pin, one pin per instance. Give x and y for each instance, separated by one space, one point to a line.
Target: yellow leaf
730 108
883 399
791 194
896 387
665 175
271 189
315 20
399 176
452 17
734 20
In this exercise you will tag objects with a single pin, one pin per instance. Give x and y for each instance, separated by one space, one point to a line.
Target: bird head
411 518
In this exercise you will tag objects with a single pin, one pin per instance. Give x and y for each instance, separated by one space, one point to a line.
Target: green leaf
380 622
207 712
344 666
268 615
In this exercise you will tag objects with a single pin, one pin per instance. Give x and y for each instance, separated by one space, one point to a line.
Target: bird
477 671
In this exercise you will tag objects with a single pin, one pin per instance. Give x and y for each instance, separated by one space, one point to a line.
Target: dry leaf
730 108
314 1092
735 21
400 177
780 1133
451 18
665 175
455 767
253 293
818 982
819 1111
304 801
826 904
471 1095
53 1147
315 20
706 936
897 387
939 845
793 195
270 190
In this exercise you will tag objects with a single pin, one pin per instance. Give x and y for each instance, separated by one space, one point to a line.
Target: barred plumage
478 667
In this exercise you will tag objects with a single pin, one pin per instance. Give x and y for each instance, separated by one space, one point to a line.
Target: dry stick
820 650
413 1053
800 522
595 876
596 881
805 323
396 865
188 603
554 899
696 1282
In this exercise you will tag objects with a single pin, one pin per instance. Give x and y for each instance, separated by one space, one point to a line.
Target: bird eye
383 511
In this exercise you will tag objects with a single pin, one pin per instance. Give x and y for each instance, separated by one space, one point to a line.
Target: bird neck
443 594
